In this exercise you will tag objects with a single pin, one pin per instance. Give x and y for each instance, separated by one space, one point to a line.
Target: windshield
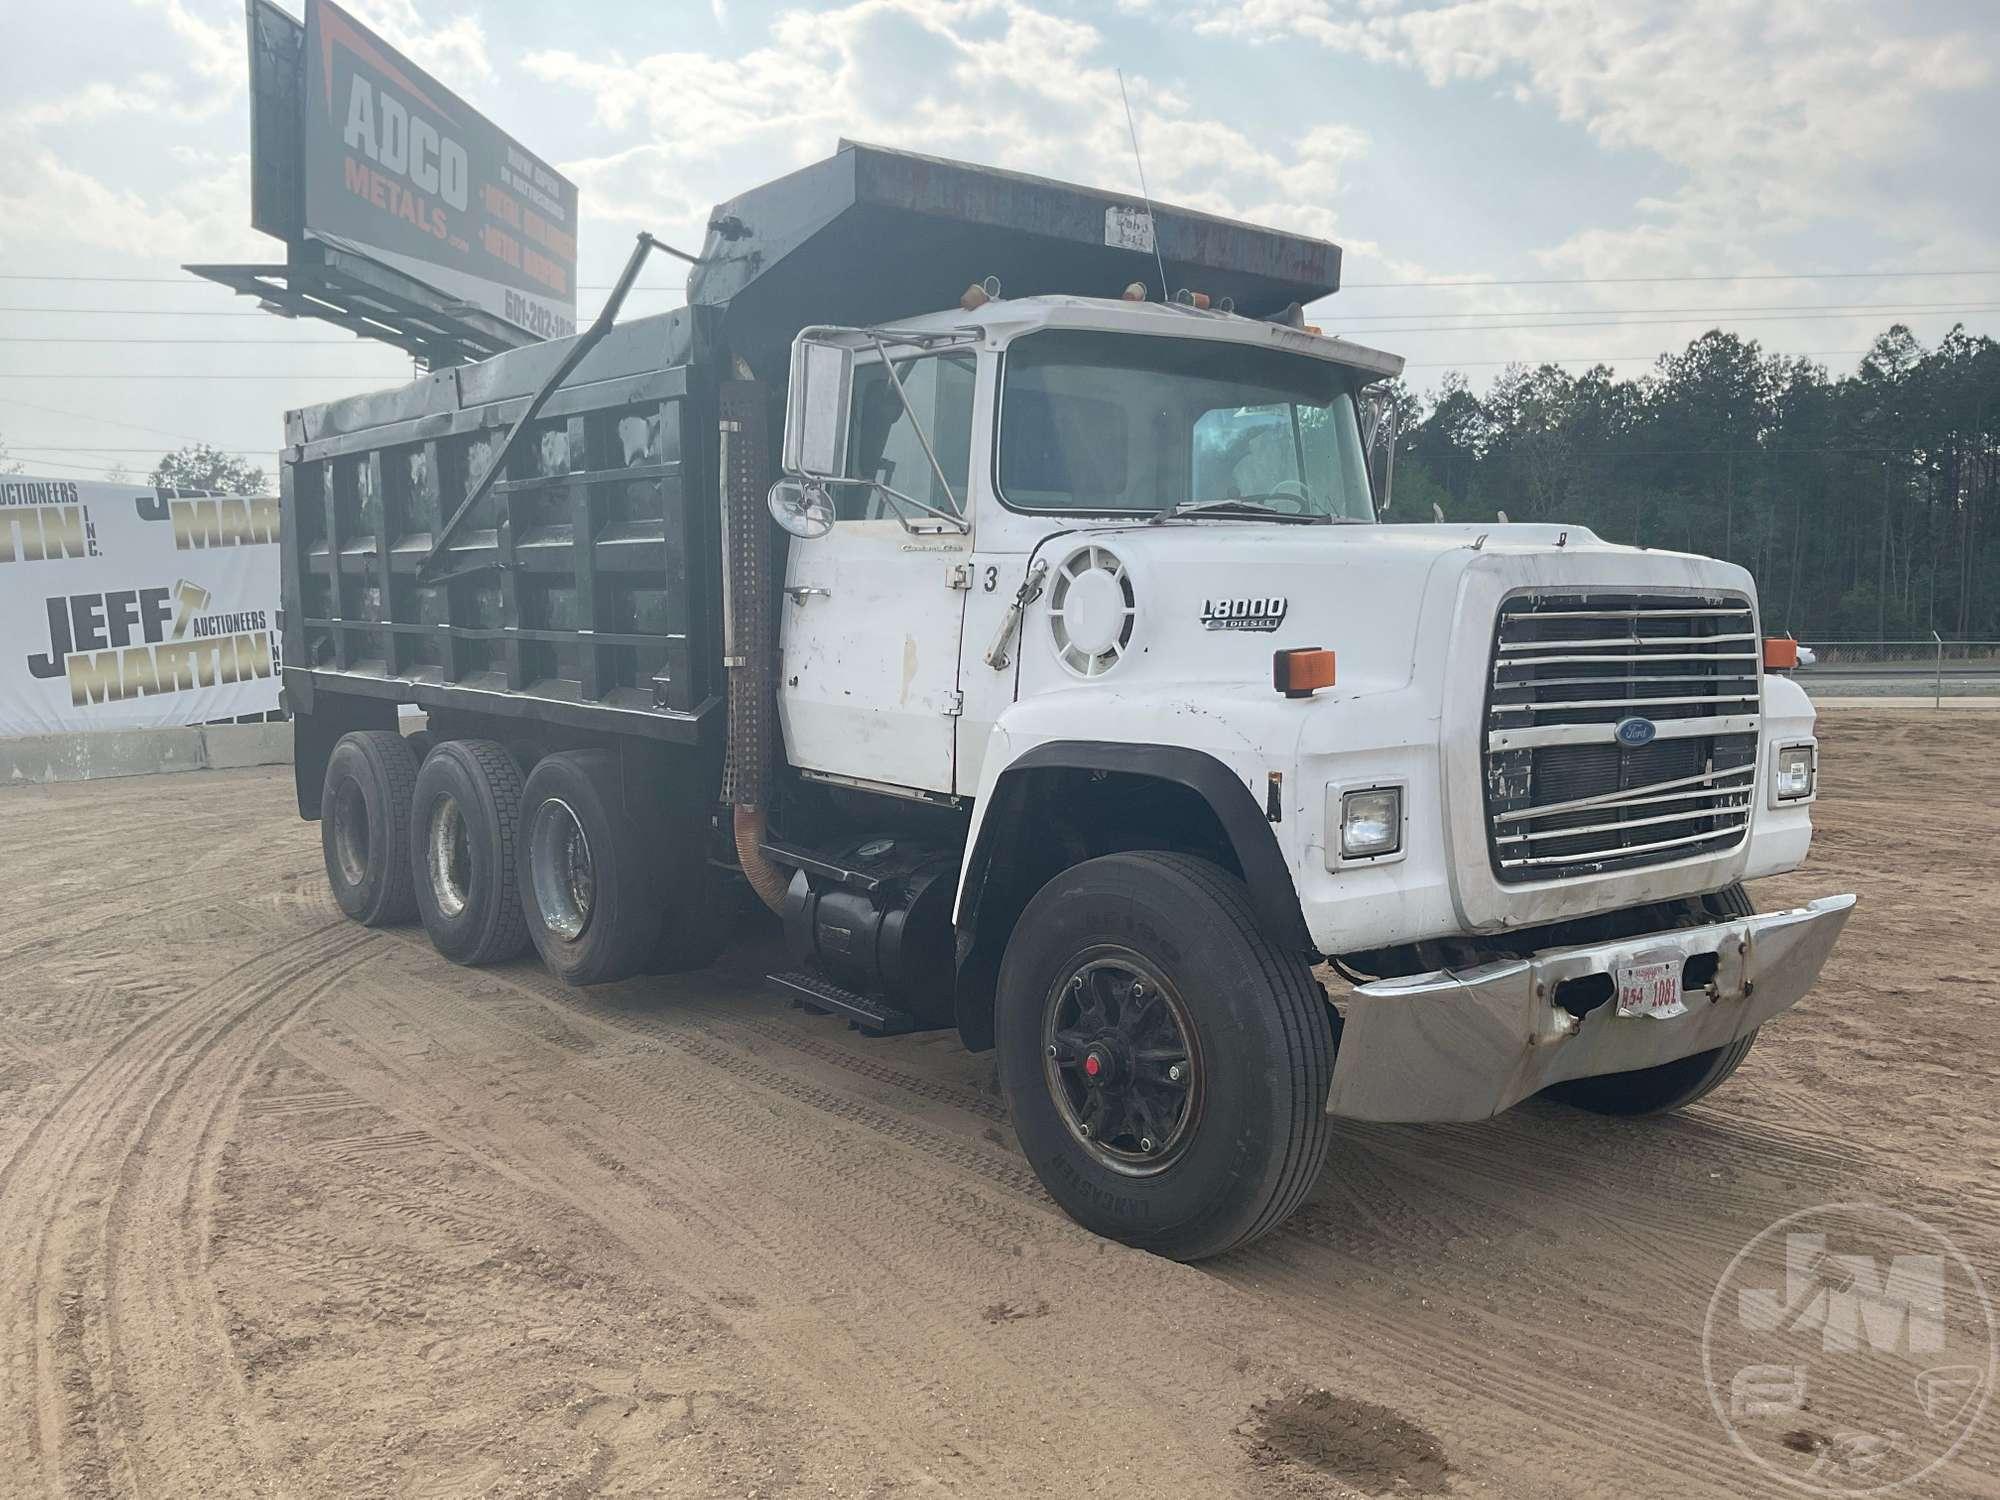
1110 423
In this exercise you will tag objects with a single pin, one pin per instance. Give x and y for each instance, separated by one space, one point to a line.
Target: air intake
1091 611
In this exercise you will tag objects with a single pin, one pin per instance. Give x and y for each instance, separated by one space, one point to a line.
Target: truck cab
1051 660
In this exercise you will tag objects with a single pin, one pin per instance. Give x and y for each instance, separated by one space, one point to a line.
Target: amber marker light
1780 654
1301 671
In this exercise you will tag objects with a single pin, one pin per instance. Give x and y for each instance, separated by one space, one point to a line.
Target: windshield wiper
1239 506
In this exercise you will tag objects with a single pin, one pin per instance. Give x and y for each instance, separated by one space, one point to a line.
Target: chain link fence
1931 668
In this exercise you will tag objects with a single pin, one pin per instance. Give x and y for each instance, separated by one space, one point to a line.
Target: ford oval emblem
1635 731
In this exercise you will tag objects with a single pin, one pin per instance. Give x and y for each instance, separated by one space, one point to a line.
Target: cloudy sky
1511 179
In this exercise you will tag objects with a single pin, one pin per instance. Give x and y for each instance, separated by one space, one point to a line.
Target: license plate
1651 989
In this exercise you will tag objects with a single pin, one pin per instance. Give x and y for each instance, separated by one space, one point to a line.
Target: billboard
125 607
399 169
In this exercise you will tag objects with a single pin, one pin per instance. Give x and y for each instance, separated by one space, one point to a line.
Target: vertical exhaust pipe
749 648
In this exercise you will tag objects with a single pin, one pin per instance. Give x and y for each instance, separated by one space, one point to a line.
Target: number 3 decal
992 578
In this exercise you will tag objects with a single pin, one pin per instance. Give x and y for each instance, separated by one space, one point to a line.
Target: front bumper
1463 1046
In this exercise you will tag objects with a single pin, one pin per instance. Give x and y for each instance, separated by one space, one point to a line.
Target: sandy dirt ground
292 1207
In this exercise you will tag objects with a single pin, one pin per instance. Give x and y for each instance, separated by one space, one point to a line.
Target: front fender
1214 746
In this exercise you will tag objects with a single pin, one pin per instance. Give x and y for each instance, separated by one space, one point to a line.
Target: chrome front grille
1565 794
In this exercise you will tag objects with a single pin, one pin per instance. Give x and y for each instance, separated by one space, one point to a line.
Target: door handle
798 593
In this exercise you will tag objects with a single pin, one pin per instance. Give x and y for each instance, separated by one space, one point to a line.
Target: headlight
1795 772
1371 822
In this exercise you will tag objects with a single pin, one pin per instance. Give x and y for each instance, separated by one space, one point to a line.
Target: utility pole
1729 508
1882 588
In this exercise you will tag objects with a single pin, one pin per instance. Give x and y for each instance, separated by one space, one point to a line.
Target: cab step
820 995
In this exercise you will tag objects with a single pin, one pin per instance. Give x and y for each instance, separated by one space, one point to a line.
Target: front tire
465 828
1123 970
1674 1085
1655 1091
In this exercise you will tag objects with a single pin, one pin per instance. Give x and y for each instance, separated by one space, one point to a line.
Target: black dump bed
585 588
871 234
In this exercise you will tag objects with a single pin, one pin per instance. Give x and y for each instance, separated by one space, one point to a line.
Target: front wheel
1166 1066
1670 1086
1655 1091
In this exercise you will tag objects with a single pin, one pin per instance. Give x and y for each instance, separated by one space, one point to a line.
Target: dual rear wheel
493 862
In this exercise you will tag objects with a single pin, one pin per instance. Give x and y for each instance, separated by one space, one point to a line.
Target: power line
68 276
138 312
14 446
58 463
1938 309
592 286
1606 359
56 338
1811 307
1645 280
1512 312
1641 322
98 417
193 283
199 375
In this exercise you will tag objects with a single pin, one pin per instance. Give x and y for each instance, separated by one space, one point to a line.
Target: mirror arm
917 426
956 522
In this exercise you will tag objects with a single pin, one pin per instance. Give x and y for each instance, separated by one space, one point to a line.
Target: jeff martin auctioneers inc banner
123 607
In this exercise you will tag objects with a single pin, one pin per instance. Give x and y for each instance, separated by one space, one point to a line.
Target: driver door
873 613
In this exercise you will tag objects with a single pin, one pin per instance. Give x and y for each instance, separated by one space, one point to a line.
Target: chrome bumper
1463 1046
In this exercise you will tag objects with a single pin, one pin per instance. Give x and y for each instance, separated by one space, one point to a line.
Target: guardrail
1948 668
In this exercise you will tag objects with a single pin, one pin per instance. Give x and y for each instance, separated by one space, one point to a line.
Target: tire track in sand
55 1186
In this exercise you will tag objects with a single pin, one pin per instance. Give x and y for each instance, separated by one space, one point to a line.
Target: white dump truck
991 575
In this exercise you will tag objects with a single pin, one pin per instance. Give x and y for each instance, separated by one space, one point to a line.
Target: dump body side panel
581 591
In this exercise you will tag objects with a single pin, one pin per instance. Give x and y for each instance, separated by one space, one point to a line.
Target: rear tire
1674 1085
590 870
364 826
464 831
1144 963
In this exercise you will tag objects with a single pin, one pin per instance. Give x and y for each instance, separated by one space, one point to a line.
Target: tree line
1867 505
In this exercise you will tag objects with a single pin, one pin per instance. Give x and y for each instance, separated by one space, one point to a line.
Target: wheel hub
1122 1066
350 832
449 857
561 870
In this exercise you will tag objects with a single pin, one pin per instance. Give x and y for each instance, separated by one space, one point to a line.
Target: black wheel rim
1123 1061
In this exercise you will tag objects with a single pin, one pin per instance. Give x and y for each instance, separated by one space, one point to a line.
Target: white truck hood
1212 600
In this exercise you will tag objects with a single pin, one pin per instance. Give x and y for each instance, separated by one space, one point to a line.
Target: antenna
1152 223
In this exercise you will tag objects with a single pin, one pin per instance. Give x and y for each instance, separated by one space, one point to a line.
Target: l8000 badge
1244 614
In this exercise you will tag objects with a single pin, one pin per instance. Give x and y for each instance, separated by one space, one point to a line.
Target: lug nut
1176 1073
1138 989
1052 1049
1084 1128
1146 1144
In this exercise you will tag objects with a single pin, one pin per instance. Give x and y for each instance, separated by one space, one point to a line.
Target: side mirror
803 508
817 407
